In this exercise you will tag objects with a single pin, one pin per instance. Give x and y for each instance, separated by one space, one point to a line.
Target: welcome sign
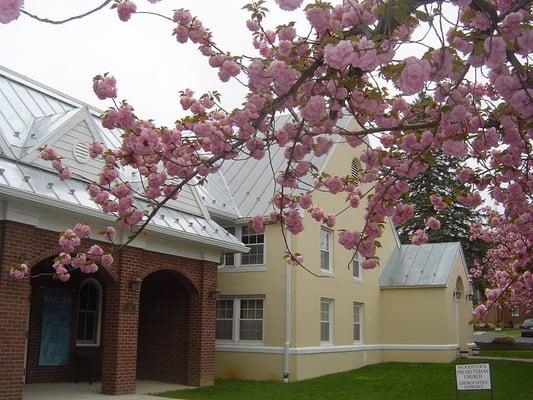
55 334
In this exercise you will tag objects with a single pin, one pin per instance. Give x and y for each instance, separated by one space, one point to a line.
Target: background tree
441 179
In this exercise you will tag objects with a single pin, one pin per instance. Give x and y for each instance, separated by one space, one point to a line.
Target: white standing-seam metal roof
31 113
250 183
426 265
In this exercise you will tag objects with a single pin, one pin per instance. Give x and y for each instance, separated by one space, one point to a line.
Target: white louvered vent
81 152
355 169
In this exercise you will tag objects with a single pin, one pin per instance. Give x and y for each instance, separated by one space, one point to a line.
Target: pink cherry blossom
10 10
340 55
433 223
289 5
419 237
107 260
258 224
414 75
49 154
95 149
125 9
105 86
82 231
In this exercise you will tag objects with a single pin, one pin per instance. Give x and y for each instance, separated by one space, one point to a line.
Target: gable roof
250 183
426 265
32 115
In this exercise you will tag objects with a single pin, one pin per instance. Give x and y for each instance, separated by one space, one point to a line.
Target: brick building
151 315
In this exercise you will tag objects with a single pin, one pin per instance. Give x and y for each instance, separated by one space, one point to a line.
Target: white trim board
242 348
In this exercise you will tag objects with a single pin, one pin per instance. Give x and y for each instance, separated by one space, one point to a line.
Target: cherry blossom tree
367 59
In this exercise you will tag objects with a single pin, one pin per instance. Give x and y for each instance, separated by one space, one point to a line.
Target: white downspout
286 344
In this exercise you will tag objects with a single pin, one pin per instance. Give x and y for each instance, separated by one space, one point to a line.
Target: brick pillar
13 324
202 317
120 339
14 313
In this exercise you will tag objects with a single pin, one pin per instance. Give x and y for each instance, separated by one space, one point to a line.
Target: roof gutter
106 217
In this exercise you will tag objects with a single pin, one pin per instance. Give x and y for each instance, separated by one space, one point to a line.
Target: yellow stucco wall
392 316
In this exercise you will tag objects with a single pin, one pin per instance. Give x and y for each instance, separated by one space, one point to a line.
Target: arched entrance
65 325
164 323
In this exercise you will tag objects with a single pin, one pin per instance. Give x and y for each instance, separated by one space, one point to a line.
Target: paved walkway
84 391
529 360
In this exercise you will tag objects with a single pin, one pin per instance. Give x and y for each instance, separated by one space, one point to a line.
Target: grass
388 381
507 353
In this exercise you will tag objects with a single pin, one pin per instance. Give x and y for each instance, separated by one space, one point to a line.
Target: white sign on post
473 376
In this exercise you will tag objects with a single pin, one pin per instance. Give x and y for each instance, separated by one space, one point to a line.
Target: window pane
356 266
93 297
84 296
324 259
90 327
356 332
81 326
224 323
324 331
324 239
224 329
229 259
251 330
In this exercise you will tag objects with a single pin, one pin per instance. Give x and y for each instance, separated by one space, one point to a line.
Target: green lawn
388 381
507 353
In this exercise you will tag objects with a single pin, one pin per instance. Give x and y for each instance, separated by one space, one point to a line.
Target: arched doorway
163 333
65 324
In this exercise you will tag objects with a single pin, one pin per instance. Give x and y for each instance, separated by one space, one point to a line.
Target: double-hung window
254 241
326 250
357 270
326 321
357 322
240 319
89 313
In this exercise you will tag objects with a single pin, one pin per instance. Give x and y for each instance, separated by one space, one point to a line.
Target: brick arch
189 280
54 252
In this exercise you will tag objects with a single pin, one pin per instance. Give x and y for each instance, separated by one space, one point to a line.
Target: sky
151 67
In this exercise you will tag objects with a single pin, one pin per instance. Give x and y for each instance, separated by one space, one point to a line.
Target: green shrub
503 340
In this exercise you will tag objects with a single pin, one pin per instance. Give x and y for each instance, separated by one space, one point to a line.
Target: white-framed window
254 241
357 270
89 313
515 312
326 250
240 319
326 321
357 322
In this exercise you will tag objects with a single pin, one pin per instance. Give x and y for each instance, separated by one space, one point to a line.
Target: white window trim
236 320
331 310
99 310
358 279
361 322
237 257
330 271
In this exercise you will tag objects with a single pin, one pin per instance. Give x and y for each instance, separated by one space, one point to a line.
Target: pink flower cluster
105 86
10 10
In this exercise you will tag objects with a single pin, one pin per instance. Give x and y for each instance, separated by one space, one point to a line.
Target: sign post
469 377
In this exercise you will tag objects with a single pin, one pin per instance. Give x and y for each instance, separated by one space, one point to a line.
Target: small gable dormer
70 134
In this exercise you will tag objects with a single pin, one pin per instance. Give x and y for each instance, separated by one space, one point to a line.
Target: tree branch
63 21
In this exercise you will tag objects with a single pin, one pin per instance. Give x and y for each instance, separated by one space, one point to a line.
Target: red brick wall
19 242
